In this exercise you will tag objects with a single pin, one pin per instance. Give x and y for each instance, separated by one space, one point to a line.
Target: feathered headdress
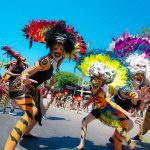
104 67
137 63
89 52
148 74
49 32
133 51
127 44
13 54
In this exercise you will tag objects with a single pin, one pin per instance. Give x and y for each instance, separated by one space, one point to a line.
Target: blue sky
96 20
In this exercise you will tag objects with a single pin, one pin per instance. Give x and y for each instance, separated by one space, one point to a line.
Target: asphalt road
61 131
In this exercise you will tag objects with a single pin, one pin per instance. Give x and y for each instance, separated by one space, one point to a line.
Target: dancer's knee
84 122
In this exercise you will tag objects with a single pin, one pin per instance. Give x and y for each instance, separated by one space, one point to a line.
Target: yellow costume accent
113 74
5 96
121 73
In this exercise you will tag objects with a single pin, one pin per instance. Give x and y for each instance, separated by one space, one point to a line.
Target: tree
62 78
2 64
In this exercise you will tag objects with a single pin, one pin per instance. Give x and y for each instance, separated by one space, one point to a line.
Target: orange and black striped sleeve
40 65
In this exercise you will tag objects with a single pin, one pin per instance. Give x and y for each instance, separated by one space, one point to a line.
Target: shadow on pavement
48 118
20 113
60 143
67 142
56 118
145 146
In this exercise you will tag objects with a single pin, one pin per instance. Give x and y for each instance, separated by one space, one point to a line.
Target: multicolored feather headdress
137 63
148 74
127 44
105 68
133 51
13 54
49 32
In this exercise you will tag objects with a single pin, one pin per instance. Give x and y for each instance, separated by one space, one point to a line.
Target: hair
59 34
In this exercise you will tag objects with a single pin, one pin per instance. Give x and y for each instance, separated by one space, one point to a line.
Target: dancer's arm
40 65
117 107
132 116
12 74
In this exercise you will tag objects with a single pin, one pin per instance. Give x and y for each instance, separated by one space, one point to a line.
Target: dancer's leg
27 104
85 122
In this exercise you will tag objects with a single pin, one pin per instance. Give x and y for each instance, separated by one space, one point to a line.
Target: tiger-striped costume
27 98
62 41
5 95
8 79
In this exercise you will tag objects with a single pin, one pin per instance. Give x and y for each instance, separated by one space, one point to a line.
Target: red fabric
41 90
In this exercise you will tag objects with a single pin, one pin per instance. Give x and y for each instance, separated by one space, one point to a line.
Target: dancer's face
139 78
96 82
13 64
57 51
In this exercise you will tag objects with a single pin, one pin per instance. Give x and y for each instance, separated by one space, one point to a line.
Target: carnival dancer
2 89
62 42
134 52
78 100
106 76
72 102
48 96
64 98
125 98
58 96
14 69
145 127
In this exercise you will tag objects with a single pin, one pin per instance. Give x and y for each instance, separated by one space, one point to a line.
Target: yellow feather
121 75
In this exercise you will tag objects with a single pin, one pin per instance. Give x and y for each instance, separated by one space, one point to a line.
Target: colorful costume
78 101
134 51
63 42
64 97
146 124
14 68
107 76
124 98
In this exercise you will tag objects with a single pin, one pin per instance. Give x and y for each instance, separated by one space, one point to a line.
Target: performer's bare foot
80 147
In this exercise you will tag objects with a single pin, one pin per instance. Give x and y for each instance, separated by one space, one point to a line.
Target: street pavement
61 131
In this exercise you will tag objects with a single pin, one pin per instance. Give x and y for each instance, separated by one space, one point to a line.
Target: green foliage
61 79
2 64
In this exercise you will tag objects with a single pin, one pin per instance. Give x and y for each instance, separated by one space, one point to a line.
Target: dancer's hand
135 117
144 93
147 104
